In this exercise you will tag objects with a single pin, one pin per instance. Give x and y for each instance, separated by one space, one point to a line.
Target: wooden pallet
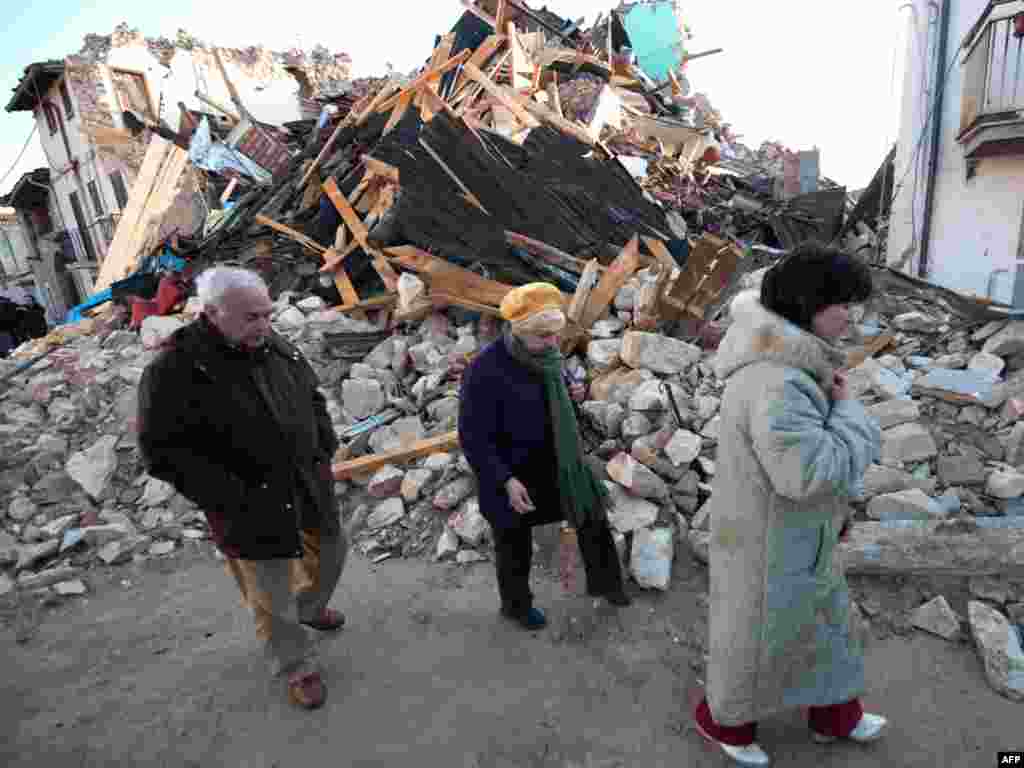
712 265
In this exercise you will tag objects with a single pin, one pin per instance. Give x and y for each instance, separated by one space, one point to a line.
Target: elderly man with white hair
231 415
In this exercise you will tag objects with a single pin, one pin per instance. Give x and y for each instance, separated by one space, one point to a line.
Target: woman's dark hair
814 276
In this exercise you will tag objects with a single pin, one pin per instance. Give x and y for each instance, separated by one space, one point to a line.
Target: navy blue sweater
505 431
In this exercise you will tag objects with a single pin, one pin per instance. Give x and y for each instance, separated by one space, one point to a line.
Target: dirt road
158 667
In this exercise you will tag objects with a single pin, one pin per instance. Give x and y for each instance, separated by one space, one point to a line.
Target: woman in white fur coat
794 446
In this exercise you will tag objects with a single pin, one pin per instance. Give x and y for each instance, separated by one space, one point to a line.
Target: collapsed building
391 229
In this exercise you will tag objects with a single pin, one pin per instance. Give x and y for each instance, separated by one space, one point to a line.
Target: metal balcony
992 109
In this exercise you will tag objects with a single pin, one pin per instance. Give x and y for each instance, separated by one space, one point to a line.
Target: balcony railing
993 90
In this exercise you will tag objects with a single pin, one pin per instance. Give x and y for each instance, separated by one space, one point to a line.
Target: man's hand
578 391
518 496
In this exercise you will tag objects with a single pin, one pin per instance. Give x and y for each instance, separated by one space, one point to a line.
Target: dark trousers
513 549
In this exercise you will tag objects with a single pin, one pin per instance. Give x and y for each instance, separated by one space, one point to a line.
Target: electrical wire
21 154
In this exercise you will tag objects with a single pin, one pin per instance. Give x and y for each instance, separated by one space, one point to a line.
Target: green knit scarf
582 496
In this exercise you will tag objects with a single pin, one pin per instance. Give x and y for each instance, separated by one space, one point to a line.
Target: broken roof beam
616 276
548 253
298 237
424 79
503 95
445 443
483 54
359 232
447 278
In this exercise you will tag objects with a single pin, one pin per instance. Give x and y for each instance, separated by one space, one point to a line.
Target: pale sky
804 72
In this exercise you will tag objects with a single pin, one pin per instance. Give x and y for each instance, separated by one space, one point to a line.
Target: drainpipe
940 90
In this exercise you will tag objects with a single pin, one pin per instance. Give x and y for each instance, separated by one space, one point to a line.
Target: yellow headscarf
534 309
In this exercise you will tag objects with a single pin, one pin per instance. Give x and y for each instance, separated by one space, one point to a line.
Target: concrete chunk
658 353
627 512
892 413
937 617
1000 650
1008 341
904 505
907 443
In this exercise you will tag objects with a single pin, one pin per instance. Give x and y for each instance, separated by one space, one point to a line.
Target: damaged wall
93 161
976 222
270 83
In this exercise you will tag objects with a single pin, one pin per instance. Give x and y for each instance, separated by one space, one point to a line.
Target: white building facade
958 202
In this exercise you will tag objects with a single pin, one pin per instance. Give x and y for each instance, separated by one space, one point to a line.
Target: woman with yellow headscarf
518 429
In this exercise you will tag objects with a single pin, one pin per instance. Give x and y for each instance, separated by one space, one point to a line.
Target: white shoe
751 755
869 729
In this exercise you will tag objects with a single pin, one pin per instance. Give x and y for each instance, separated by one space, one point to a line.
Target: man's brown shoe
306 689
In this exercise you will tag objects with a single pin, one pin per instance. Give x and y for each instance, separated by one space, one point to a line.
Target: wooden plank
398 113
356 115
445 300
387 275
650 302
501 15
445 277
501 94
554 97
616 276
349 216
480 57
567 127
162 166
447 442
585 287
522 67
337 258
298 237
423 79
232 91
382 169
383 95
547 252
373 303
346 290
432 104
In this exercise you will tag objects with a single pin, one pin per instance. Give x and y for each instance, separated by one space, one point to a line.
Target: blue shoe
532 619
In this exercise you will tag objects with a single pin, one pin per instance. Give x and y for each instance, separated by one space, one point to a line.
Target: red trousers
836 720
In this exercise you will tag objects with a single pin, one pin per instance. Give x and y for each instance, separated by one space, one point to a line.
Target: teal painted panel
654 35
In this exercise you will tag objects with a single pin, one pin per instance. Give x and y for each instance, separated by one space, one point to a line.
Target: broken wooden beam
986 547
447 278
549 253
424 79
447 442
616 276
503 95
298 237
355 225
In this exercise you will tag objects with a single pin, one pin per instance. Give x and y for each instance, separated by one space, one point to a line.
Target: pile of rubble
943 380
422 204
